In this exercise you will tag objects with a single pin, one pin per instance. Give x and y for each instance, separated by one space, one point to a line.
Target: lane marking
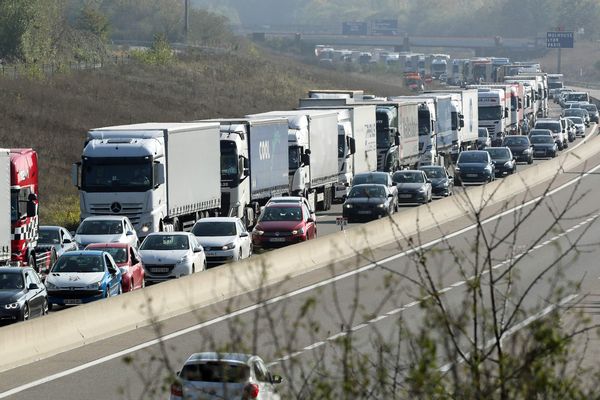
277 299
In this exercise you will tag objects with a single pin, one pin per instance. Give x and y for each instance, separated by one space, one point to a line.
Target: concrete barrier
29 341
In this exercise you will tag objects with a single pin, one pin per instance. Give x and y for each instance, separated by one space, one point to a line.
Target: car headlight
228 246
258 232
94 286
124 270
382 205
507 164
488 168
298 231
12 306
184 259
457 169
348 206
422 190
50 285
527 150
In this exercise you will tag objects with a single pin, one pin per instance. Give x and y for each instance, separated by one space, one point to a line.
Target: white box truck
254 165
163 176
312 149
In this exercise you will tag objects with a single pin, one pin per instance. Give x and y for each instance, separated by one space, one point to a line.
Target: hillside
53 115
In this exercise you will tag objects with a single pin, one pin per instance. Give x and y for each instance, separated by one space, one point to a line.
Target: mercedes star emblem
115 207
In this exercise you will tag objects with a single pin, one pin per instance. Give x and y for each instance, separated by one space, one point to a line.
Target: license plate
211 254
72 301
405 196
364 212
277 240
159 270
540 152
471 175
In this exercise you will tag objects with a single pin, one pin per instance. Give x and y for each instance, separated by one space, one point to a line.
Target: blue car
81 277
474 166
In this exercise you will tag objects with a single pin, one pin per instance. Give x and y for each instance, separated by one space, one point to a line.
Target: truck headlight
145 228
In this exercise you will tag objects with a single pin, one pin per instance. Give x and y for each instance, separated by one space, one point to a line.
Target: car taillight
176 389
251 391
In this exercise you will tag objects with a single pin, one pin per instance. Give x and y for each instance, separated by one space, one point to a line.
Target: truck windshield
424 123
229 162
490 113
454 120
383 139
294 154
112 174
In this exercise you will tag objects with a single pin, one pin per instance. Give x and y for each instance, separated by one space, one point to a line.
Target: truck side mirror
397 140
31 207
352 145
461 122
505 112
75 174
305 158
243 167
159 175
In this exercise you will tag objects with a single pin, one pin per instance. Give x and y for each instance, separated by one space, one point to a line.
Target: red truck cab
24 206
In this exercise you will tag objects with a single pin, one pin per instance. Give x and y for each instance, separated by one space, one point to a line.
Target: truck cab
493 111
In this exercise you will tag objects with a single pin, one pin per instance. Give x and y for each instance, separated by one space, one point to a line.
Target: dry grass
52 116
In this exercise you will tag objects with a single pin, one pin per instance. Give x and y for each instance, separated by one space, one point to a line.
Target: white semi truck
313 150
254 165
493 111
163 176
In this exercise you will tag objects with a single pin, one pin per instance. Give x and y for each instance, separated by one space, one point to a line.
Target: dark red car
129 262
281 224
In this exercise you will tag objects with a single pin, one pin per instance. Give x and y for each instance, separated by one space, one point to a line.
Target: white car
293 199
168 255
224 239
106 229
579 125
225 376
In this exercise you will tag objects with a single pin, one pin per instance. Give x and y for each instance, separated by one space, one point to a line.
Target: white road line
277 299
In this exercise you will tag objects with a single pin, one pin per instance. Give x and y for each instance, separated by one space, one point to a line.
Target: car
281 224
22 294
55 239
503 160
577 96
106 229
293 199
442 183
129 262
540 132
544 146
382 178
592 110
225 376
170 255
579 125
572 129
369 201
520 146
413 186
483 139
556 127
577 112
82 276
474 167
224 239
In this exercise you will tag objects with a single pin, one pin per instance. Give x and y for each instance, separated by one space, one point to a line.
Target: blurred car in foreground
80 277
215 376
129 262
22 294
224 239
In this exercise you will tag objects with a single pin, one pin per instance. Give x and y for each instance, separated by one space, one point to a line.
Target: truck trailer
163 176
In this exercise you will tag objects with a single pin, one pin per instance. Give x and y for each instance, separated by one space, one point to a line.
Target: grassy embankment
53 115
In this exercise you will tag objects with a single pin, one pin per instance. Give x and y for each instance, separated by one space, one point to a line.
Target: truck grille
380 160
130 210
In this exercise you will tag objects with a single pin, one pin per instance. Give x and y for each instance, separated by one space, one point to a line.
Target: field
52 115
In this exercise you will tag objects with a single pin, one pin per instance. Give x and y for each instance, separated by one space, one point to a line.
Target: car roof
171 233
16 270
217 219
105 218
290 198
54 227
213 356
371 173
369 184
280 205
107 245
86 253
414 171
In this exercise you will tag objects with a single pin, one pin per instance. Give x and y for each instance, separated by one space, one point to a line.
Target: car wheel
120 289
50 306
107 294
251 248
53 257
204 266
193 269
132 285
240 255
45 307
530 161
25 315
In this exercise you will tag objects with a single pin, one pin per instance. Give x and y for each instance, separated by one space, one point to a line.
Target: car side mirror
112 270
67 241
198 249
129 233
33 286
244 234
428 180
310 219
450 177
276 379
390 195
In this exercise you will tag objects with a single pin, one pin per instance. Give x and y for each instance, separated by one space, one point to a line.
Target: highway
294 326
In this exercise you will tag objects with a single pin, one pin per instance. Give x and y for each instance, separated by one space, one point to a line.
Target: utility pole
186 21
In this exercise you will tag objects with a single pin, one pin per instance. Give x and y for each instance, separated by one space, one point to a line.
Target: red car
281 224
129 262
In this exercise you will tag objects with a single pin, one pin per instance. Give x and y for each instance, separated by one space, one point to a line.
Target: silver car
225 239
56 239
212 376
106 229
169 255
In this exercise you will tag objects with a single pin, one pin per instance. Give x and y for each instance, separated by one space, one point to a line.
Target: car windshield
11 281
79 263
214 229
165 242
281 214
216 371
49 236
408 177
516 141
590 107
576 120
541 139
573 112
367 191
435 172
553 126
472 157
498 152
540 132
99 227
370 178
119 254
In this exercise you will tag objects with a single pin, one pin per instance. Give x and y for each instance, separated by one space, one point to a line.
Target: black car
473 166
369 201
520 146
413 186
544 146
380 178
503 160
22 294
442 183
